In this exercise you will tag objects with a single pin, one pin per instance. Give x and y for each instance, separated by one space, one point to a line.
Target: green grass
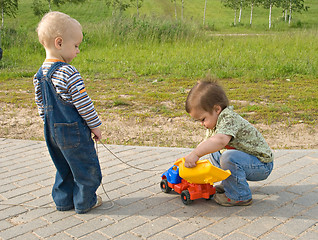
143 67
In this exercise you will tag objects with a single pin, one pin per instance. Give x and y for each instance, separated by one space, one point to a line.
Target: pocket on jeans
67 135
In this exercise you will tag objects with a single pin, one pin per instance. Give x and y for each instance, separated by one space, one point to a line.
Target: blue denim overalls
72 150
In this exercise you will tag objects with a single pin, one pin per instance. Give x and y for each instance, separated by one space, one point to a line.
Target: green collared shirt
245 137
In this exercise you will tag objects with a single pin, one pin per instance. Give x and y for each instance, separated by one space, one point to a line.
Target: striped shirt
70 86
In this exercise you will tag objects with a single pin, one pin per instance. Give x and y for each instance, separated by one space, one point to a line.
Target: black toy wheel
211 196
185 197
164 186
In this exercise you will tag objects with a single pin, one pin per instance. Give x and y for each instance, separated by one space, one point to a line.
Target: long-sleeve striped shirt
70 86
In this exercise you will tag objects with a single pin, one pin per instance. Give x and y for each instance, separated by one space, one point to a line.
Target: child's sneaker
223 200
219 188
99 202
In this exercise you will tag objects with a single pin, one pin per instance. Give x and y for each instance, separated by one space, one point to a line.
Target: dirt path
177 132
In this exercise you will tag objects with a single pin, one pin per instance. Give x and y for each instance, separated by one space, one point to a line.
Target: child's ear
218 109
58 42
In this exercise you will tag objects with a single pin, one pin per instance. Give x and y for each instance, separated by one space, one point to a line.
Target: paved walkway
285 205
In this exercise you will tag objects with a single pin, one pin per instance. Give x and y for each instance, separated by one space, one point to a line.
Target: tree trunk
2 17
175 9
240 12
204 12
182 7
235 17
137 9
251 18
290 12
285 15
270 16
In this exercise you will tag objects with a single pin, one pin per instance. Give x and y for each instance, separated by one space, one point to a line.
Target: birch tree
253 3
205 2
293 6
241 8
175 8
9 8
233 4
182 8
268 4
137 4
285 6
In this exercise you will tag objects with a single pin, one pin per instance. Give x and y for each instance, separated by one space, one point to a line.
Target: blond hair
53 25
205 95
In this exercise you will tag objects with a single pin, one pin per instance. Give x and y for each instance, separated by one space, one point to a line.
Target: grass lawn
138 71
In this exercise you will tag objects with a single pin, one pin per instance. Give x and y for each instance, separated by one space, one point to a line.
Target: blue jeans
244 167
72 150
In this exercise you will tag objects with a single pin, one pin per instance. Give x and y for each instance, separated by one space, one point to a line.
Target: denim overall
72 150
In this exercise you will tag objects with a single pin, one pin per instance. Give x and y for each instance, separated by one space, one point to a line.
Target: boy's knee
227 159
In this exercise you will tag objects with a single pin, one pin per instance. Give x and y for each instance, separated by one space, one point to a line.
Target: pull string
144 170
109 199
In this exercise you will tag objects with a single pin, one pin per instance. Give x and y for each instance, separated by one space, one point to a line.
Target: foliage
9 7
39 8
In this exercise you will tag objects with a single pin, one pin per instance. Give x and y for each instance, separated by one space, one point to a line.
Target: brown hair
205 95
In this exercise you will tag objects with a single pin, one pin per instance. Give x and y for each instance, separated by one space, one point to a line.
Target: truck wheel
185 197
211 196
164 186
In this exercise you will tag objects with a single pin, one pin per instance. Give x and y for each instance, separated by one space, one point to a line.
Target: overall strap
50 72
54 66
39 74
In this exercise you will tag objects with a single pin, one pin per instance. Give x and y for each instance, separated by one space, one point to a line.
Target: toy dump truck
192 183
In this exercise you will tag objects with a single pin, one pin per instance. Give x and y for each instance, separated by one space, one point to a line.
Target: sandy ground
177 132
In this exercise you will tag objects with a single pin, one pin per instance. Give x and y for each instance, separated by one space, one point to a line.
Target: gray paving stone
129 236
202 235
27 236
308 235
189 227
275 235
57 227
31 215
10 211
296 226
237 236
123 226
88 227
60 236
226 226
285 204
5 224
164 236
95 236
20 229
158 225
260 226
308 199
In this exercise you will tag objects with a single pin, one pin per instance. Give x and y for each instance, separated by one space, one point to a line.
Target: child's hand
190 160
97 134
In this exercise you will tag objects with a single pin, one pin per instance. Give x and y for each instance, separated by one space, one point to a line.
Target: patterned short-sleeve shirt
245 137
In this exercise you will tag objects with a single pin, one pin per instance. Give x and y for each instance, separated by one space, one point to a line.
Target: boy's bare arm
212 144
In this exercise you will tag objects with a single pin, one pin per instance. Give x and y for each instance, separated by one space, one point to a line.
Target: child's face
70 44
207 119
